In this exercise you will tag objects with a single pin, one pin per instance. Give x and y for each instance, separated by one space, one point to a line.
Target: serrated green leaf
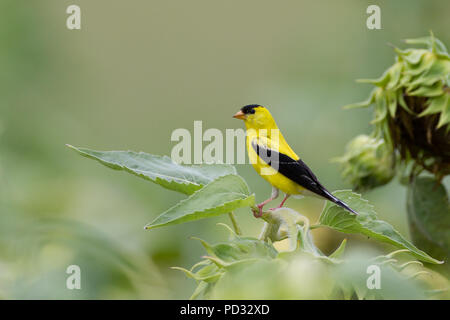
159 169
220 196
366 223
429 215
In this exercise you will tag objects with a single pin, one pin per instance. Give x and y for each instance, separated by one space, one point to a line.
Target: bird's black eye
252 111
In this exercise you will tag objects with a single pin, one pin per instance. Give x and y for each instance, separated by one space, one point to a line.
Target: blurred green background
136 71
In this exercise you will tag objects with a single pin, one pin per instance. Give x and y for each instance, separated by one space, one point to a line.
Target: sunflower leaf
366 223
159 169
220 196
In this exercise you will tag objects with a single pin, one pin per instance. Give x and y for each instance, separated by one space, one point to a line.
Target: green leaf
426 91
402 102
381 109
437 105
433 77
363 104
444 118
201 288
437 72
430 41
395 73
239 249
429 216
412 56
440 104
337 254
159 169
425 63
307 243
209 273
379 82
220 196
391 97
366 223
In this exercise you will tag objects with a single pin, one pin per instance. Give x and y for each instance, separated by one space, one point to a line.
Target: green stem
264 231
235 224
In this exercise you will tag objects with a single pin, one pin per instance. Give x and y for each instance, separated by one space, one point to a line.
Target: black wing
297 171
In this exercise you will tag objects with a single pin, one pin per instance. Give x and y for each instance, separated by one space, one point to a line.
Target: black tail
339 203
344 205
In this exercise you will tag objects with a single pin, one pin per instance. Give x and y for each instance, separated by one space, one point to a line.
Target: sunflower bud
367 163
412 105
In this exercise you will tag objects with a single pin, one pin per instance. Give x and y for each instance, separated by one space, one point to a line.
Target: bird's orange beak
239 115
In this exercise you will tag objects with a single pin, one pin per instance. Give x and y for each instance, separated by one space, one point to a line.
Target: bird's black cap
250 109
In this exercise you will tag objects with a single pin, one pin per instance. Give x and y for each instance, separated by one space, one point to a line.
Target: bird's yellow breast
271 175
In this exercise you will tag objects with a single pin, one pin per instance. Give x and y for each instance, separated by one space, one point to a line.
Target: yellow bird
276 162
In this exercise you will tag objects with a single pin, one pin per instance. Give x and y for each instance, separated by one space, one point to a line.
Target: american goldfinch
276 162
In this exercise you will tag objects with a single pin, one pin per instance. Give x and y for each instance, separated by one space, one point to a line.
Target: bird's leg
282 202
260 206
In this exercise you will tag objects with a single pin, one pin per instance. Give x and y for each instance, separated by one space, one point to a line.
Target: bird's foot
258 213
280 206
